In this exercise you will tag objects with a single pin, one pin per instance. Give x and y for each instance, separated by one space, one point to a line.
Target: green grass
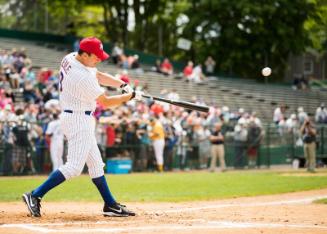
321 201
168 187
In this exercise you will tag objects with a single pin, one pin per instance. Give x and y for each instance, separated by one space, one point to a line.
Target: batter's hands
137 95
126 88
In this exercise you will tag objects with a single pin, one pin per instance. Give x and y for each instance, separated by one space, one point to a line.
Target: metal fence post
293 145
268 146
322 140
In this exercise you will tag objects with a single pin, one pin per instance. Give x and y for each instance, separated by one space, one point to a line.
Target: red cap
94 46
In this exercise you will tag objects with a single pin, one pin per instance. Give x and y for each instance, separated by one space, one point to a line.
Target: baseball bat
187 105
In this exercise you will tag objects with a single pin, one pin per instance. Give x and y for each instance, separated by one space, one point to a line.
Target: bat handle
147 96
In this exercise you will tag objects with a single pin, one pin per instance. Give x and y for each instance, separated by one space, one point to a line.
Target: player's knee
96 170
76 171
71 171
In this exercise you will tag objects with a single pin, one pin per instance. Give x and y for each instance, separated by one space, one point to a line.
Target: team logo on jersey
101 46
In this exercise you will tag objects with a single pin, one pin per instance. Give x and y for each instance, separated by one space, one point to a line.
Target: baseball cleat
117 210
33 204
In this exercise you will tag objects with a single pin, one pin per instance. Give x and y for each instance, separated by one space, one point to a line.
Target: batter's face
90 60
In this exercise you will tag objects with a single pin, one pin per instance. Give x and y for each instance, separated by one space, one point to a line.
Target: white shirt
321 114
7 116
173 96
116 51
278 115
78 85
54 130
291 123
302 116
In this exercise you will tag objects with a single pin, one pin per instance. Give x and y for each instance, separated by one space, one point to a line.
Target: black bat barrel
187 105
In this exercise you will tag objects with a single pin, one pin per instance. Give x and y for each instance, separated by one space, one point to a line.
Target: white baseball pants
79 130
56 153
158 146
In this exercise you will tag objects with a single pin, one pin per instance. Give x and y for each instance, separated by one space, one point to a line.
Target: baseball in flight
266 71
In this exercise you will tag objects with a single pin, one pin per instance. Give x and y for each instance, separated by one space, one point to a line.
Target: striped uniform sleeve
90 88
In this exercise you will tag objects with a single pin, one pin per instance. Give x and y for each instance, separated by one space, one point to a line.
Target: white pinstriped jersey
79 87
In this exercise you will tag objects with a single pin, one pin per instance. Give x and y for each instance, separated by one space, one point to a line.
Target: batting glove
137 95
125 88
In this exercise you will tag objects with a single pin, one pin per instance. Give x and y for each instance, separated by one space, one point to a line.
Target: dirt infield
286 213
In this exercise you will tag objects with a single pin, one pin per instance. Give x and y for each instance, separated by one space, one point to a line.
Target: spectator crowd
153 134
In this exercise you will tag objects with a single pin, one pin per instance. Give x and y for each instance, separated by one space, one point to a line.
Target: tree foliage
243 36
317 27
53 16
246 35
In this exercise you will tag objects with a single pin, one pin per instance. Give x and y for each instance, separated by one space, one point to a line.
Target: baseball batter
79 91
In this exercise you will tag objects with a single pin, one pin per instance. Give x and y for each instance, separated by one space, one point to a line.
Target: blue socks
54 179
103 188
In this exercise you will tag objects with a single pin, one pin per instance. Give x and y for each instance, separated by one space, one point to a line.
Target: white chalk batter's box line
173 227
200 223
272 203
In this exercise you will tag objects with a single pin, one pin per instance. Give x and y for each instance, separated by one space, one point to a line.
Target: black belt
85 112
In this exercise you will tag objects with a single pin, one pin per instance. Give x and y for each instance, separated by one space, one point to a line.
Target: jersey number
60 80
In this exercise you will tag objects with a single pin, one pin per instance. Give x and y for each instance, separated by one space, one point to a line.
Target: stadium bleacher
231 92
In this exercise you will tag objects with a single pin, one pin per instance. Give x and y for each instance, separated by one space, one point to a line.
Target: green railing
276 148
283 146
